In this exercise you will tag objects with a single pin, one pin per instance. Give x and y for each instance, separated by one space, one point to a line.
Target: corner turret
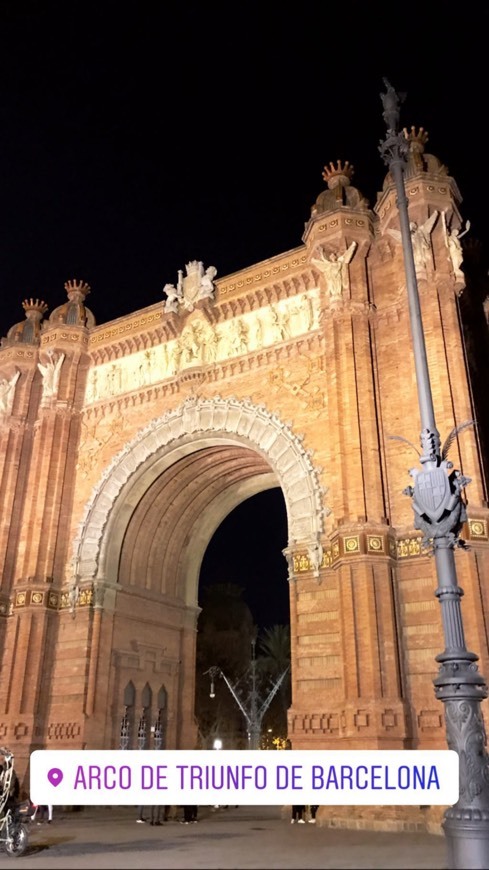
28 331
74 312
339 210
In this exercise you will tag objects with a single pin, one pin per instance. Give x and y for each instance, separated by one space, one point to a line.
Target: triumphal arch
125 445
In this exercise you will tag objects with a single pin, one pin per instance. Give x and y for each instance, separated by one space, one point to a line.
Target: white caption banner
177 777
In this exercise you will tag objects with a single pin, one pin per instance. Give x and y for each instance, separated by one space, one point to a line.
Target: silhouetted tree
273 659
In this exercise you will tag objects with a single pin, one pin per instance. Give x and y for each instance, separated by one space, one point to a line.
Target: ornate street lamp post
440 513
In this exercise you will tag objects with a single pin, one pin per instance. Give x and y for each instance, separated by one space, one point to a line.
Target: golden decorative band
364 543
51 599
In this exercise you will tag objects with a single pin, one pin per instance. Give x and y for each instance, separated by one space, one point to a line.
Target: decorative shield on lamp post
432 493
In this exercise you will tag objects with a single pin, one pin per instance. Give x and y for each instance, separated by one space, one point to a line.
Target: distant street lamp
158 732
125 730
142 730
440 513
251 701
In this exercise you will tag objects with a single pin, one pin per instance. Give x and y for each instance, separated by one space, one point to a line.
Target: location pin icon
55 776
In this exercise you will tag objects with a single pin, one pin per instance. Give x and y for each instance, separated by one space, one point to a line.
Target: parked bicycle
14 815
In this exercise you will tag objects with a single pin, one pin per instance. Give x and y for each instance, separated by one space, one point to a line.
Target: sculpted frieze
201 343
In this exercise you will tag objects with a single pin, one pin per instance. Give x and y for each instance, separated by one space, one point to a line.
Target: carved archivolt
240 422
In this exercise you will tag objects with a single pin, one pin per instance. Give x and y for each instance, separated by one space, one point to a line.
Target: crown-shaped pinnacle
416 138
34 305
342 173
78 288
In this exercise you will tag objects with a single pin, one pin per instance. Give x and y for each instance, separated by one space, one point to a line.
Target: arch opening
150 520
244 629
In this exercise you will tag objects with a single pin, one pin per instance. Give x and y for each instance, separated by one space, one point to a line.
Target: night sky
247 550
135 137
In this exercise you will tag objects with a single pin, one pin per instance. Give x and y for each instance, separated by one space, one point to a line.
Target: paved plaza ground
232 839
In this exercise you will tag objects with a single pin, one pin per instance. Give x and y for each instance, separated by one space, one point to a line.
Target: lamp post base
467 839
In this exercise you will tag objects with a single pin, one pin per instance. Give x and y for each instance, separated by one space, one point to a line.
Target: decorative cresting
252 426
342 174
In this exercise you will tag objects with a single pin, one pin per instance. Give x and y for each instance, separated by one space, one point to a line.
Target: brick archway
147 526
200 425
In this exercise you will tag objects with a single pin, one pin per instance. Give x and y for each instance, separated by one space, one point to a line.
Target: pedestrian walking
156 812
313 809
140 819
189 814
298 815
43 812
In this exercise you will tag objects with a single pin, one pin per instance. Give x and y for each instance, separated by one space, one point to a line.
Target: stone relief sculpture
239 340
333 269
7 393
113 380
198 284
307 310
148 365
211 345
280 321
51 371
164 360
94 438
176 357
226 348
192 344
301 315
144 369
94 384
284 322
135 371
257 332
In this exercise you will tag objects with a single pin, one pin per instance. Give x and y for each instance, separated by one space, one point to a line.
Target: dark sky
247 550
136 136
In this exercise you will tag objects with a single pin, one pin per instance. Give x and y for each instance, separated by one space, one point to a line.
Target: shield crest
432 493
192 283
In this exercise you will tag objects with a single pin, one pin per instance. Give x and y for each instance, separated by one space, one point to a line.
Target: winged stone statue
420 239
332 268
